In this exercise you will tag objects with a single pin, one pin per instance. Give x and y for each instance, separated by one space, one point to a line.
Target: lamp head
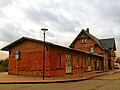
44 29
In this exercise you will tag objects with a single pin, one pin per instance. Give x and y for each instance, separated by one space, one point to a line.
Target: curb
54 81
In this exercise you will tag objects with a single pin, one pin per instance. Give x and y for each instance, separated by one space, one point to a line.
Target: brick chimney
87 30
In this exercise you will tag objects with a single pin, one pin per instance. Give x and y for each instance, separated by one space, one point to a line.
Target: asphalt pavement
17 79
105 82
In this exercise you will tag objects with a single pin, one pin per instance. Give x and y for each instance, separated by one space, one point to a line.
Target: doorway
68 64
109 64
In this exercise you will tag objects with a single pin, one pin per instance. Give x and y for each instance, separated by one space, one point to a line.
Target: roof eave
94 40
75 38
9 46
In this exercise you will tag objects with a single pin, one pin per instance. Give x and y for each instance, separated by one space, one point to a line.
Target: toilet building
85 54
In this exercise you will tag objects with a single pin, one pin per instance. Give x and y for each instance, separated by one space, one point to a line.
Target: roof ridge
106 38
95 39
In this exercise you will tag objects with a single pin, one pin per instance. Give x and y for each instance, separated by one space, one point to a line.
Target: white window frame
92 49
84 41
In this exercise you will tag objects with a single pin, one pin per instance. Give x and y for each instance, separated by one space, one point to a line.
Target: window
77 61
92 49
93 62
99 62
84 41
89 61
69 61
77 42
89 40
84 61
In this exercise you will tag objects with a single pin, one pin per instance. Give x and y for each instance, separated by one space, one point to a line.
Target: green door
68 64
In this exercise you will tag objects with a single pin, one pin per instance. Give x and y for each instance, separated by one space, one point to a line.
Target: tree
4 65
117 60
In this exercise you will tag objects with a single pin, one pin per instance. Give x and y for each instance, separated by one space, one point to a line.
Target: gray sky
63 18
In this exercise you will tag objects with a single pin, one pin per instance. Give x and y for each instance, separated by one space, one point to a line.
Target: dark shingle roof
104 43
108 43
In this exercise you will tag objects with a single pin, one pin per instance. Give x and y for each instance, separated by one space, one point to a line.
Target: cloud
63 18
108 10
50 34
9 32
40 15
5 3
56 21
1 14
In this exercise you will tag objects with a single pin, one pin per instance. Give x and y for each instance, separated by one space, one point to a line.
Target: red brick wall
112 58
86 47
77 70
55 71
105 62
30 62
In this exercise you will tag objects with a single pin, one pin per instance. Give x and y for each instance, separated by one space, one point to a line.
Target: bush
4 65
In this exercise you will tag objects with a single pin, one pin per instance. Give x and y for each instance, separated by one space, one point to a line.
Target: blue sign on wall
17 54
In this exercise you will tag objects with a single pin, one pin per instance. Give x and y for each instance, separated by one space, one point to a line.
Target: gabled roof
103 43
97 41
8 47
108 43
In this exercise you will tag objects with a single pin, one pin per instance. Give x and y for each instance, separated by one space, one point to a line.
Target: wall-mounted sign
17 54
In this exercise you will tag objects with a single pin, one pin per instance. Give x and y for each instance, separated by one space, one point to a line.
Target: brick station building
85 54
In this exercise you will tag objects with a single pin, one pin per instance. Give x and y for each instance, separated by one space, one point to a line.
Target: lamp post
43 62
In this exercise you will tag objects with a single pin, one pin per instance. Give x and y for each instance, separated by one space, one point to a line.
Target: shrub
4 65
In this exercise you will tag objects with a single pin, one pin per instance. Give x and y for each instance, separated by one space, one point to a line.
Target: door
95 65
68 64
89 64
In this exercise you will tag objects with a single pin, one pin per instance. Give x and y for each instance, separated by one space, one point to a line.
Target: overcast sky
63 18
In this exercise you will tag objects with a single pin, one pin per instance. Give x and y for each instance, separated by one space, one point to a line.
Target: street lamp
43 63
